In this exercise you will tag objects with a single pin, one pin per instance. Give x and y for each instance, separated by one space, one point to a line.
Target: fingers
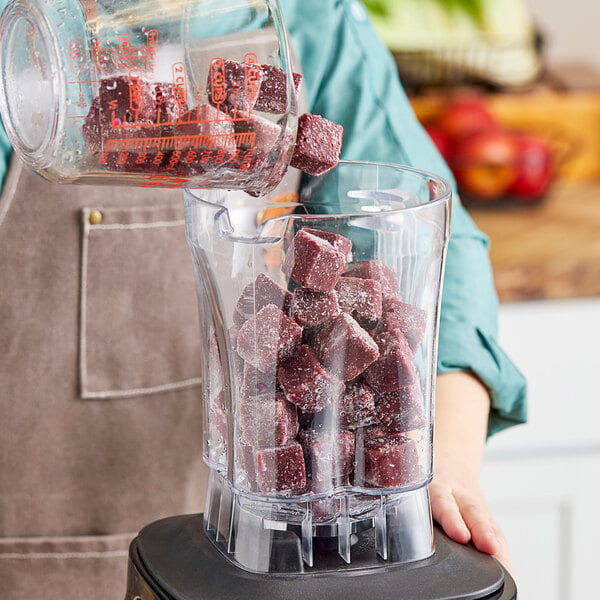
464 515
479 520
446 512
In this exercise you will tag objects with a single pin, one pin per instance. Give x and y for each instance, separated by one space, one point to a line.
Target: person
98 346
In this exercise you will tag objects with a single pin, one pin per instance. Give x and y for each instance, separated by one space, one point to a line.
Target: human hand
460 508
457 501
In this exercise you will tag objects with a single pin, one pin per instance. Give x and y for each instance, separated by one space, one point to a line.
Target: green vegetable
381 8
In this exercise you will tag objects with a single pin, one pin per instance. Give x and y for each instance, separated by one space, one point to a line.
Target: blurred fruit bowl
495 164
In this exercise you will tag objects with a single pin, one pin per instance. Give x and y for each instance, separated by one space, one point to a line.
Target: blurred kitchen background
510 92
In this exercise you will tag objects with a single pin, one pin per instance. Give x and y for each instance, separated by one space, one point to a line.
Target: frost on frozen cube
339 242
258 294
345 348
312 308
314 263
318 144
268 338
356 408
395 366
306 383
273 96
403 409
280 468
377 270
328 455
362 298
266 421
391 462
233 86
409 319
255 383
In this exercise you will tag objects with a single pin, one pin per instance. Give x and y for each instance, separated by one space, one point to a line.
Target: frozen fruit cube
258 294
234 86
328 455
127 100
306 383
273 96
268 338
345 348
122 106
267 421
361 298
318 144
324 420
313 262
169 103
255 138
391 462
312 308
256 383
339 242
378 270
395 366
402 410
409 319
206 129
356 408
280 468
373 431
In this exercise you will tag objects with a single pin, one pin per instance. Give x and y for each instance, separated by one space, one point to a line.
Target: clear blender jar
149 92
320 326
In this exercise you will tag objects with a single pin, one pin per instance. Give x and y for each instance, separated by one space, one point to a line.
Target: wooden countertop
549 251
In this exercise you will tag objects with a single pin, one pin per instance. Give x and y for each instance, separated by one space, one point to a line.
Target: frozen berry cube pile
136 126
329 384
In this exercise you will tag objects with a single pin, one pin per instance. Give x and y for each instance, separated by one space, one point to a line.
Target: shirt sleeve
352 79
5 154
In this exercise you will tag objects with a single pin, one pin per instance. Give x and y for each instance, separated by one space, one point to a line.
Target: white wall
570 28
543 479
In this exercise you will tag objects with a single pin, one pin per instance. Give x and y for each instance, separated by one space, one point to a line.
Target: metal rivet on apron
95 217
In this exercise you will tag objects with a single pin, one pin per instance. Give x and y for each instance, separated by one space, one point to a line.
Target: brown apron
100 412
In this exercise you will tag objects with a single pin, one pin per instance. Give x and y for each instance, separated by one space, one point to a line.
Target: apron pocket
139 329
64 568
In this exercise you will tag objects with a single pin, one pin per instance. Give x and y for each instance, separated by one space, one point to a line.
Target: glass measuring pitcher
192 93
320 327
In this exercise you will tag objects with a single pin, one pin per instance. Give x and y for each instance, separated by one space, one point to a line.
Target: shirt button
95 217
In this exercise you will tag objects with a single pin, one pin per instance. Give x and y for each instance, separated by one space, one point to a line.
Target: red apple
535 166
464 116
484 163
440 139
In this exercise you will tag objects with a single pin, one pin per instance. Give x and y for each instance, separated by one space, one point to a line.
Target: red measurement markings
204 141
136 99
75 55
246 160
152 43
95 51
180 83
174 160
251 76
217 81
125 49
165 181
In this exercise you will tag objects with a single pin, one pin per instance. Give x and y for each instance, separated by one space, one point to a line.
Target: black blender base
172 559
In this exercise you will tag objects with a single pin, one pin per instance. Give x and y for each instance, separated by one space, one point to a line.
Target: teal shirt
351 79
